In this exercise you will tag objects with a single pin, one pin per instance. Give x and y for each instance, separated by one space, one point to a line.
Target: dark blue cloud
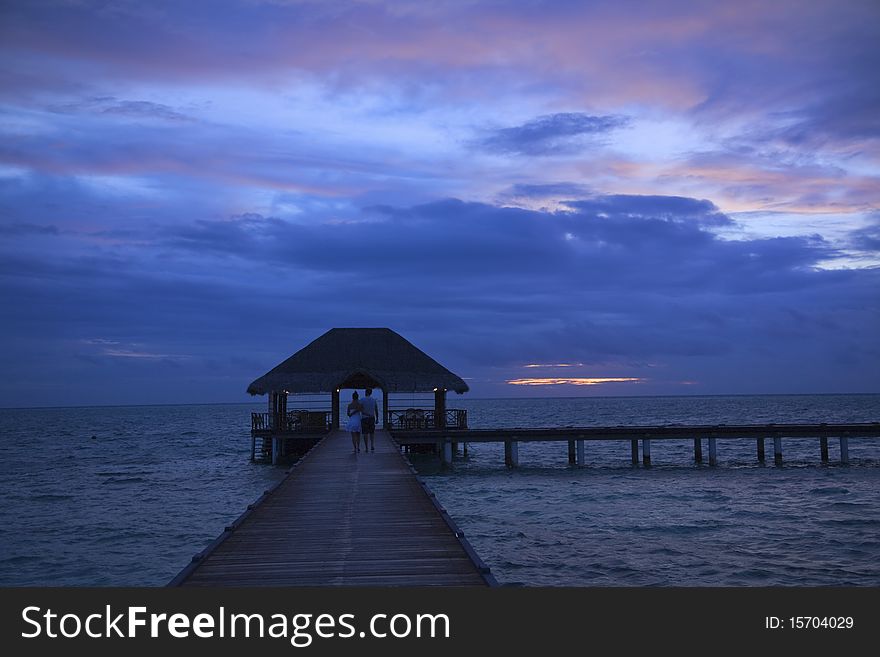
653 207
19 228
604 243
633 286
559 190
551 134
110 105
868 238
548 192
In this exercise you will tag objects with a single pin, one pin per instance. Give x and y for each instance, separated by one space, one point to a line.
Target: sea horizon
458 397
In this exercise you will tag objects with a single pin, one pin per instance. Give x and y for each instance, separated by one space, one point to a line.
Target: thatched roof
358 358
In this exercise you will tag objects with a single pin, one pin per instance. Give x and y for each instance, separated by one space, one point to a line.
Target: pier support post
276 450
646 451
334 409
446 451
580 452
440 408
511 453
761 450
777 450
698 450
823 448
253 448
713 451
844 449
634 449
571 455
464 450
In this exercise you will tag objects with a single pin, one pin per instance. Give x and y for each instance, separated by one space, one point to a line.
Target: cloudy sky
604 198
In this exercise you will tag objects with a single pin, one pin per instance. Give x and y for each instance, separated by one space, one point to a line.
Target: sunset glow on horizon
575 381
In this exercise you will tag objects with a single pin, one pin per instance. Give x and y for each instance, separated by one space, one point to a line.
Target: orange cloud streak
576 381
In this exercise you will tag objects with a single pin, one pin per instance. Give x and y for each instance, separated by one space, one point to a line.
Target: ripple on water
50 497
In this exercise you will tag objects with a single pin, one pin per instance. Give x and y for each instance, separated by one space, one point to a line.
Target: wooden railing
292 421
321 421
424 418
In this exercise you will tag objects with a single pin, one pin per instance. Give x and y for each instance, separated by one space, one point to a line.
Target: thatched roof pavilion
359 358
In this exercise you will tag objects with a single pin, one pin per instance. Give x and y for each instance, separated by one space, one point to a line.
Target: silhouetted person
369 417
354 421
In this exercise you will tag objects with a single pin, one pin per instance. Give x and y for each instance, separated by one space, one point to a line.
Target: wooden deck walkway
342 519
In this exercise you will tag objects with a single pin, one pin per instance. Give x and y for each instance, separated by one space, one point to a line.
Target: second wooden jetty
444 441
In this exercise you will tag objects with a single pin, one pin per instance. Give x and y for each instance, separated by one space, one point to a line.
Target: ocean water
124 496
120 496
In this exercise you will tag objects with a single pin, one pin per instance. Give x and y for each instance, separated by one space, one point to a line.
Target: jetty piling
511 453
446 446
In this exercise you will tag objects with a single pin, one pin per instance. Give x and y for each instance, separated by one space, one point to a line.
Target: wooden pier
342 519
576 438
366 519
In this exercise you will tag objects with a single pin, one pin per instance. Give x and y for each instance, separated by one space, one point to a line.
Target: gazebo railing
292 421
300 421
424 418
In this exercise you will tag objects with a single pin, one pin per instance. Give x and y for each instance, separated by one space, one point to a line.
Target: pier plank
342 519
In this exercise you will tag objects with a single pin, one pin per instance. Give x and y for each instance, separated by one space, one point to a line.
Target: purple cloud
553 134
136 109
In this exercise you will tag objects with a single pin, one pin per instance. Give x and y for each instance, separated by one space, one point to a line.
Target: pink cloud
590 53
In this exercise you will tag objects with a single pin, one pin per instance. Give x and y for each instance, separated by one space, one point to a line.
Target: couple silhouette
362 417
